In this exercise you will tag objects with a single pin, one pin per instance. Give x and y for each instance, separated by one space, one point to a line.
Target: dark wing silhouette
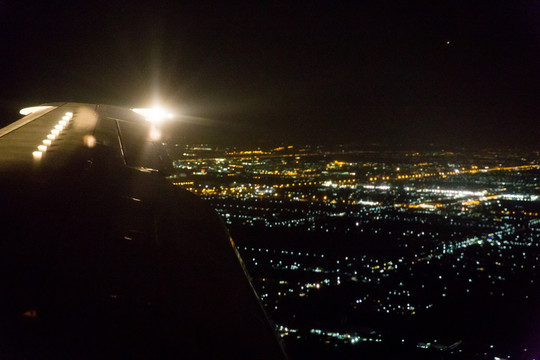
101 257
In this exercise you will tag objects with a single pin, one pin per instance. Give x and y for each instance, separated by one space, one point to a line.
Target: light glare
29 110
155 115
89 141
155 133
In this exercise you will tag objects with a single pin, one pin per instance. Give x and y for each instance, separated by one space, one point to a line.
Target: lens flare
155 115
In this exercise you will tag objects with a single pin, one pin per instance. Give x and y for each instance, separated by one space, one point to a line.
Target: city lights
423 234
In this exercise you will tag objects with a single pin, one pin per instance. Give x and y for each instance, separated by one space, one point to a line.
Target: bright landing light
155 115
29 110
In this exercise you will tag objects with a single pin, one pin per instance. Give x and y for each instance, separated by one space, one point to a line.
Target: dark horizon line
361 146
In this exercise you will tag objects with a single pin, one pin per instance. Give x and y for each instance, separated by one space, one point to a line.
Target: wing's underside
101 257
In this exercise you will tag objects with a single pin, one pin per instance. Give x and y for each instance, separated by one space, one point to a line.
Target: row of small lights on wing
54 133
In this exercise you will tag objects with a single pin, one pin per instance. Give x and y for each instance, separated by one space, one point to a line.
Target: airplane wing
101 257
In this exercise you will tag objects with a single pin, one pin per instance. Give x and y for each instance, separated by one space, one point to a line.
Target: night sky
456 73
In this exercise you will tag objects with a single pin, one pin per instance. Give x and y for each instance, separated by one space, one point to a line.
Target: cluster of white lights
380 187
54 133
453 193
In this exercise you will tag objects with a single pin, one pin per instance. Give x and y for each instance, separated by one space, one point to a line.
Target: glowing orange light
89 141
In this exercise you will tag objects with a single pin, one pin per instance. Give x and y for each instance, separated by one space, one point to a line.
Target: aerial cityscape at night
270 179
430 254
